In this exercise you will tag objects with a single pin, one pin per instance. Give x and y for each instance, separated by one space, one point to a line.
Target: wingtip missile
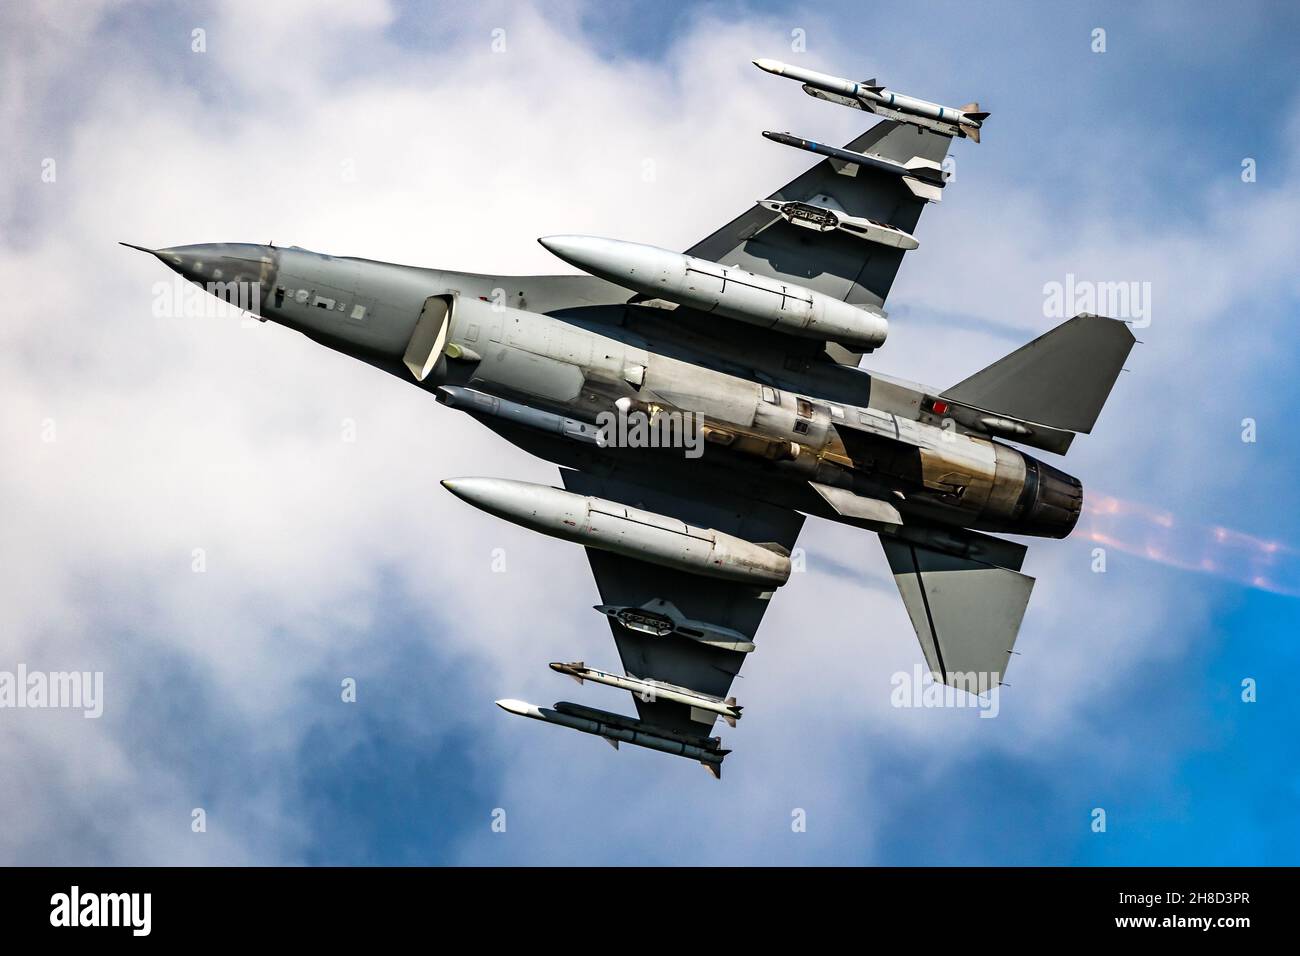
871 96
822 81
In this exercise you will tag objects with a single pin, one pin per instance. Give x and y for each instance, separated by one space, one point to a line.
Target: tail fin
1061 379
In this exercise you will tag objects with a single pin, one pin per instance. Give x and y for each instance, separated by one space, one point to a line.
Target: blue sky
383 130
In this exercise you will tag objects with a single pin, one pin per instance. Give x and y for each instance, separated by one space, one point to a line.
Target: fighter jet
701 403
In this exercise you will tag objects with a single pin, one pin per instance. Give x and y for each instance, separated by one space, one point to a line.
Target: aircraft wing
625 582
835 263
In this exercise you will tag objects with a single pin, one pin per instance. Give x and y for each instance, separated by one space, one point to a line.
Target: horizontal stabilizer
966 612
1061 379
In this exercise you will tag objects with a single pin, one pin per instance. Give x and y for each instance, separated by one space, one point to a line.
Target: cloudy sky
303 487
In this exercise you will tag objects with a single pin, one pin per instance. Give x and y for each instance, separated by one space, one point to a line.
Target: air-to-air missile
875 98
649 690
632 532
619 729
924 177
725 290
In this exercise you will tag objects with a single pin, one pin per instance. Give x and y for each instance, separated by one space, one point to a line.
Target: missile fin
927 191
917 162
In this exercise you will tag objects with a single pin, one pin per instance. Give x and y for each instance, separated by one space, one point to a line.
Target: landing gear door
424 350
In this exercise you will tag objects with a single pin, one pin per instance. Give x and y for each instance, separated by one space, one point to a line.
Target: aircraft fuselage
773 419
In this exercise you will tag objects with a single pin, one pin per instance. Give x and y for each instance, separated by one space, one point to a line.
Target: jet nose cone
187 260
132 245
196 263
240 274
220 262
